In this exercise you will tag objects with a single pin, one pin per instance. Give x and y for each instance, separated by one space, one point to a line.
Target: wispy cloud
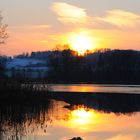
121 18
123 137
32 27
68 13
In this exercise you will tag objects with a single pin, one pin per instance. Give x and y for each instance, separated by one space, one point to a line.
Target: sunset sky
38 25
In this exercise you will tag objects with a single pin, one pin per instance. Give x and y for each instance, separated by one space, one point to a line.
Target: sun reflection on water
82 117
67 120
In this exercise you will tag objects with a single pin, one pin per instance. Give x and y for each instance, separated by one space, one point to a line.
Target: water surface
96 88
90 116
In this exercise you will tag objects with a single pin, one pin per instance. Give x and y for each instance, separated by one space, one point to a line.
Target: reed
22 91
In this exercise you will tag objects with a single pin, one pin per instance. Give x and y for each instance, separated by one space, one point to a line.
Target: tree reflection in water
17 121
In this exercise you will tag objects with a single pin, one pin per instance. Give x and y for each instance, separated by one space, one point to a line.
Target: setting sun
82 43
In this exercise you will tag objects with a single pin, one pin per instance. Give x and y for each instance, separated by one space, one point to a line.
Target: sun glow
82 43
81 116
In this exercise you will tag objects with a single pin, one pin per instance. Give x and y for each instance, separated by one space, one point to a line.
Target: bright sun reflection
81 116
82 43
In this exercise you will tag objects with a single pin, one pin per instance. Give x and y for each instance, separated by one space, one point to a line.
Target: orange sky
38 27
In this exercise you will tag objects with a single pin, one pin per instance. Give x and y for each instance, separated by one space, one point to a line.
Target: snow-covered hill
24 62
26 67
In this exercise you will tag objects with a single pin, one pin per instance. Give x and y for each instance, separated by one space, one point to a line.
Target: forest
101 66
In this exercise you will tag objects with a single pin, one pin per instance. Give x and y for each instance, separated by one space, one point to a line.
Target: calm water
97 88
90 116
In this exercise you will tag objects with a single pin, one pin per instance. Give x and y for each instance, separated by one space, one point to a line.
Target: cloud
31 27
69 13
123 137
121 18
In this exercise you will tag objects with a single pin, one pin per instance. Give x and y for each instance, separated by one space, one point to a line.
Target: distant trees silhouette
103 66
3 60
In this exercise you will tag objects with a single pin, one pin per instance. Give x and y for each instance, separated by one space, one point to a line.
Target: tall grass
22 91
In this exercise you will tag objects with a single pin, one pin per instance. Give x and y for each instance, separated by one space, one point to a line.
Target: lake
96 88
65 115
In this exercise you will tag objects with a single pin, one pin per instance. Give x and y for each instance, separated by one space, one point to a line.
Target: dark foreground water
92 116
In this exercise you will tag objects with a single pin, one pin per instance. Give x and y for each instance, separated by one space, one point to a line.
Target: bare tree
3 33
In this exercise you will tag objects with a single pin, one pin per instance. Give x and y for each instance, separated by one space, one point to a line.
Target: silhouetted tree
1 70
3 33
3 36
3 60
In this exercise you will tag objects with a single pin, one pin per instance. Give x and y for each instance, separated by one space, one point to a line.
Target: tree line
102 66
